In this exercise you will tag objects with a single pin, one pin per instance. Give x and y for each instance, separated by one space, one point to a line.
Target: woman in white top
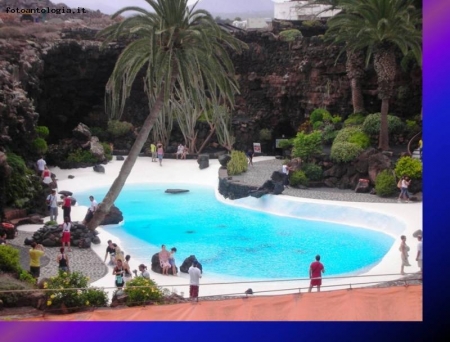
404 189
404 249
180 150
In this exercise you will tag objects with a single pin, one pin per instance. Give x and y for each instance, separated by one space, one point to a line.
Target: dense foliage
40 146
319 114
142 291
10 263
385 184
265 134
343 152
312 171
353 134
118 128
42 132
372 124
407 166
354 119
306 146
298 178
237 164
81 156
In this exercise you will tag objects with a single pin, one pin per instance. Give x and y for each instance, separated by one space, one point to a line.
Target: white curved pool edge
187 171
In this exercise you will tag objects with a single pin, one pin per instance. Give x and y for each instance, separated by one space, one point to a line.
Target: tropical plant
353 134
20 187
298 178
9 259
381 28
407 166
343 152
372 124
354 119
81 156
306 146
237 164
319 114
184 55
40 146
312 171
42 132
385 184
142 291
118 128
107 150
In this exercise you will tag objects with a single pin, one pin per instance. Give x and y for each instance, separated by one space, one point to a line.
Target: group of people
404 249
182 151
167 260
157 151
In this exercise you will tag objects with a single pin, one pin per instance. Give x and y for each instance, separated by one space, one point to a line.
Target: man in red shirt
67 206
315 273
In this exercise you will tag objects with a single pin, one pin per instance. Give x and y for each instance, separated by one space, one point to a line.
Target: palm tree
180 49
383 27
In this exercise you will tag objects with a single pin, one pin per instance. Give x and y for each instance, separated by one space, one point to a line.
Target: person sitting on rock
185 152
173 250
180 151
46 176
91 210
164 256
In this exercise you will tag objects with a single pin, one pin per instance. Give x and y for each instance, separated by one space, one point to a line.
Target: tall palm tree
180 49
383 27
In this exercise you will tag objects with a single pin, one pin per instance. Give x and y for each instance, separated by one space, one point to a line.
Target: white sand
183 171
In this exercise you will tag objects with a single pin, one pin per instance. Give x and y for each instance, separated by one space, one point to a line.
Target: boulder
49 243
363 186
65 193
187 263
85 243
28 241
120 158
203 161
258 193
224 159
175 191
277 176
377 163
337 170
278 189
99 168
97 149
362 162
70 176
82 132
156 266
114 216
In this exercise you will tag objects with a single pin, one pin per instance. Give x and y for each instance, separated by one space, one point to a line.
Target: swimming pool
234 241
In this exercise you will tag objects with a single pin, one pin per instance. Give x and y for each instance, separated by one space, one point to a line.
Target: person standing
119 271
173 250
67 206
285 170
41 165
36 252
63 261
160 153
91 210
153 151
164 256
315 274
404 249
194 280
53 206
404 189
112 253
144 272
250 154
420 148
65 239
419 257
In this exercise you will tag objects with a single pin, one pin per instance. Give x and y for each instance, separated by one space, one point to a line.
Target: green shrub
319 114
237 164
372 124
298 178
108 151
311 23
81 156
119 128
11 299
412 127
73 299
318 125
353 134
290 35
42 132
354 119
9 259
99 132
51 223
20 186
329 134
385 184
361 139
27 277
407 166
286 144
265 134
312 171
343 152
142 291
306 146
336 119
40 146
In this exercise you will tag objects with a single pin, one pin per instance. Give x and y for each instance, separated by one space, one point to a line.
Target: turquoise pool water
233 241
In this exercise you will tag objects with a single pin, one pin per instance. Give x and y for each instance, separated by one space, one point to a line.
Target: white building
302 10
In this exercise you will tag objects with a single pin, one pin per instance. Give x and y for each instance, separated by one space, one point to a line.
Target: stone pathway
85 260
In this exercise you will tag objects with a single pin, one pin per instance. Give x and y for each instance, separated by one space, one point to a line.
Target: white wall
256 23
293 10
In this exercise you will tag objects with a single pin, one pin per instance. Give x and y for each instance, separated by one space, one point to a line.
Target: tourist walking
404 195
404 249
250 155
285 170
419 256
112 253
91 210
173 250
67 206
52 204
315 274
420 148
119 271
160 153
63 260
194 280
153 151
66 226
36 252
46 176
180 150
164 256
41 165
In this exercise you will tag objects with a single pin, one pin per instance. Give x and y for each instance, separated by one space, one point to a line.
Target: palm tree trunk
357 97
119 182
383 140
211 132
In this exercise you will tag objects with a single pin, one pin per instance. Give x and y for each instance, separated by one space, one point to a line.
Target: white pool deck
175 171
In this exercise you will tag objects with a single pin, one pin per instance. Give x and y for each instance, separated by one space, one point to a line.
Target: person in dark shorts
63 260
119 272
315 273
36 252
250 154
112 253
67 206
